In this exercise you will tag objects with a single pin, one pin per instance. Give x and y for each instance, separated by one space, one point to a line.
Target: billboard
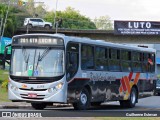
136 28
5 41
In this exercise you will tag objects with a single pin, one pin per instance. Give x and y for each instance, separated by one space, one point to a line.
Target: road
149 105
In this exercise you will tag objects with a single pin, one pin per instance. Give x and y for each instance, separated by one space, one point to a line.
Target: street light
55 25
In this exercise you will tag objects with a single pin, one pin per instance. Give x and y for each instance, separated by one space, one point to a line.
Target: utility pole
55 15
27 27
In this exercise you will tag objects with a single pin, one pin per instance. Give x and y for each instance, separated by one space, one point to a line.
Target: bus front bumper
38 93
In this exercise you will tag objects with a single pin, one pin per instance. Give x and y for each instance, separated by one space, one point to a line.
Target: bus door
72 57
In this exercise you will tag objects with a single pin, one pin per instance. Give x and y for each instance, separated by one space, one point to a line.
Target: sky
145 10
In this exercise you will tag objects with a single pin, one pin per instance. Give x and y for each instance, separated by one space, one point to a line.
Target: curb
29 106
13 107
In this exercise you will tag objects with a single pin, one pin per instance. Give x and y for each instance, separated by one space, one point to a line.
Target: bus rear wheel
84 101
39 106
131 102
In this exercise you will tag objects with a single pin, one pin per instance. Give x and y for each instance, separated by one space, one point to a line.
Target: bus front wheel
131 102
39 106
83 102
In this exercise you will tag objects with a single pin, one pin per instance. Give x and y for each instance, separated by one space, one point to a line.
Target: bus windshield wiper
40 57
26 57
27 61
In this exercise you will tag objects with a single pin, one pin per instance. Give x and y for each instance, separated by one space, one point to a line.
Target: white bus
54 68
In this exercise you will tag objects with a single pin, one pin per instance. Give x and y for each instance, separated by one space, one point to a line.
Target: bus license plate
32 95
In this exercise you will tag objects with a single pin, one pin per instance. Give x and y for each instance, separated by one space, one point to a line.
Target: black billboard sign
136 28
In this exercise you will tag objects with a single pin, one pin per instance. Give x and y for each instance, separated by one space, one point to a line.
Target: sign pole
55 15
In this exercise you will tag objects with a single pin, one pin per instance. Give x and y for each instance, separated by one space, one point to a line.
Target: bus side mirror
5 55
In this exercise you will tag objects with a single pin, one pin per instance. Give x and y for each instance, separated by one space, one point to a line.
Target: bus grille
33 81
33 89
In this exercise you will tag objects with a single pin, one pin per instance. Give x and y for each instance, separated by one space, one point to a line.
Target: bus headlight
14 88
59 86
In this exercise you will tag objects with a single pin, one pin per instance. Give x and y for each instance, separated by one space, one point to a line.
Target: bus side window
145 62
126 60
87 57
136 62
151 64
101 58
114 59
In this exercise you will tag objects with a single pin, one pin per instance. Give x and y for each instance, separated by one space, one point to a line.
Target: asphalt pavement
147 103
151 105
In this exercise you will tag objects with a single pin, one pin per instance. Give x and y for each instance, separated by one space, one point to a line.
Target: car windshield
41 62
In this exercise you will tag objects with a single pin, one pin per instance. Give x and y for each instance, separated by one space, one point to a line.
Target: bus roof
93 42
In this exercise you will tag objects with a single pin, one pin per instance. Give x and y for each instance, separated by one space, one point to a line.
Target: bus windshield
40 62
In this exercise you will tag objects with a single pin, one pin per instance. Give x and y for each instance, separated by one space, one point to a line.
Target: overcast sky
116 9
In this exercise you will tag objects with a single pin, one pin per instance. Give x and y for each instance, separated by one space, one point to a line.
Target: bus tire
131 102
83 102
39 106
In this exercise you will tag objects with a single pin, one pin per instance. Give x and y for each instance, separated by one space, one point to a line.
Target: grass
3 91
3 95
3 75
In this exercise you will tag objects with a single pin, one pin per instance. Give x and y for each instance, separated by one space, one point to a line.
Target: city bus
54 68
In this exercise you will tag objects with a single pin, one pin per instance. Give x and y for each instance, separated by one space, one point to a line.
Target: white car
37 22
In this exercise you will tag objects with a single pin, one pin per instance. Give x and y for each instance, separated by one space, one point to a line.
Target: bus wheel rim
133 97
83 98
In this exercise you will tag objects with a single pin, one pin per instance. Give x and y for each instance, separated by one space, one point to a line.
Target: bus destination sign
37 41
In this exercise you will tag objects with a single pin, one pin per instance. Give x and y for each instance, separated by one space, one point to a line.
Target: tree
103 23
71 19
40 11
15 18
29 7
9 23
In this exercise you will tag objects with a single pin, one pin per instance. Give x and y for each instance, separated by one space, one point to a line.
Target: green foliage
15 18
3 78
103 23
71 19
4 84
29 7
40 11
